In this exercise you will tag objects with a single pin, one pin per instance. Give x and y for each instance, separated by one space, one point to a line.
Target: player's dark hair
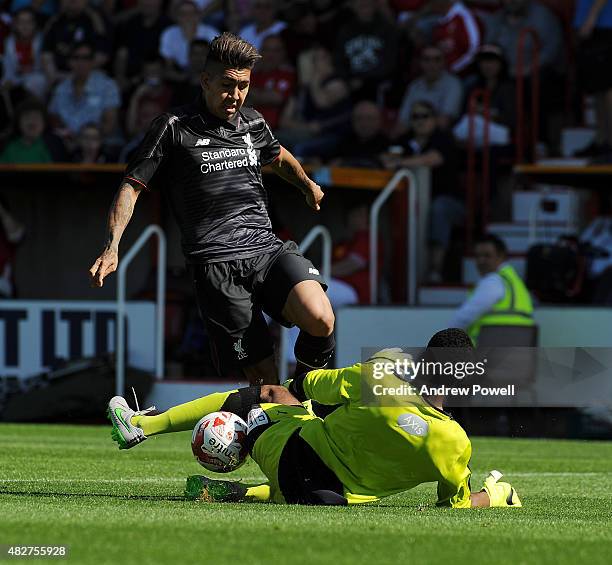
451 345
451 337
230 51
494 240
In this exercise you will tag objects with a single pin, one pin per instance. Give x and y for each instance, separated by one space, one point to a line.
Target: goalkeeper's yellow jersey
382 446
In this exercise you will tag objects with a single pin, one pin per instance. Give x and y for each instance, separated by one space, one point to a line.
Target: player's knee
322 322
276 394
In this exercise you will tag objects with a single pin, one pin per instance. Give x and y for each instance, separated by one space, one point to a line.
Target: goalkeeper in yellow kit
360 452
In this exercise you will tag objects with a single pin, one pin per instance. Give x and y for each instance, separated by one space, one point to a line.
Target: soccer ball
218 442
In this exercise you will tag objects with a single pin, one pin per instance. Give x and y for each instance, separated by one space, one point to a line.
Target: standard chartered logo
227 159
250 149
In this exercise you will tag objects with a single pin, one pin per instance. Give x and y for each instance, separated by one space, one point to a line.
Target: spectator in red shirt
457 33
22 62
351 262
272 81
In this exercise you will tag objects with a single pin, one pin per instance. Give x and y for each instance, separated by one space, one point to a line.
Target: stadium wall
412 327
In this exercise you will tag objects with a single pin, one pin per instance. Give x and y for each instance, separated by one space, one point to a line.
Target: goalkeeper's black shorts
303 478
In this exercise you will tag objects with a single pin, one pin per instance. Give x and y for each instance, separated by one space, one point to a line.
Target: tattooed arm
118 218
287 167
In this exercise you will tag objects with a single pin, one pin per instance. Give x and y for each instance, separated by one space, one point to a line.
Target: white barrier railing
311 236
159 315
412 244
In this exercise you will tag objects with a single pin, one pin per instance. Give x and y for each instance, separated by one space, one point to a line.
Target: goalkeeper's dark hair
451 345
451 337
230 51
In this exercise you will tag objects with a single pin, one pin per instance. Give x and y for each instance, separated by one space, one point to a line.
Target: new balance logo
201 142
313 271
240 352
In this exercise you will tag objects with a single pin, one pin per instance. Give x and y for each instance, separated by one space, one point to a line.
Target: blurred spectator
504 28
407 9
137 39
331 15
42 9
593 22
366 49
350 270
366 141
188 89
315 120
30 144
21 63
8 99
154 87
272 81
86 96
143 115
11 234
264 24
436 85
90 147
456 33
492 75
212 12
301 33
75 23
429 146
237 13
176 39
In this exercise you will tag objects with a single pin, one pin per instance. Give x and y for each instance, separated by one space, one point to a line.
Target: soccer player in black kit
209 156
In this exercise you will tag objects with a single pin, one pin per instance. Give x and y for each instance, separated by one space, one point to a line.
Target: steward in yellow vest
500 298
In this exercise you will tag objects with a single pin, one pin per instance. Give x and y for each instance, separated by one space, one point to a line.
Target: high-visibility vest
514 309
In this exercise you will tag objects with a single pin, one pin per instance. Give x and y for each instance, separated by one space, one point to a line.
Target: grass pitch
70 485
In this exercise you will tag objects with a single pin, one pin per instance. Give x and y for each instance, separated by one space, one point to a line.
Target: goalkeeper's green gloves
501 495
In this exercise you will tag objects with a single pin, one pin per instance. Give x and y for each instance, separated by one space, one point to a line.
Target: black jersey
212 177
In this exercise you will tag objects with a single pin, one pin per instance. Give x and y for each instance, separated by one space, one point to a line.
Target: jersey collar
210 118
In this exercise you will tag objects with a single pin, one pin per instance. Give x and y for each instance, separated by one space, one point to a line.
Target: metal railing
159 314
484 95
311 236
534 64
411 275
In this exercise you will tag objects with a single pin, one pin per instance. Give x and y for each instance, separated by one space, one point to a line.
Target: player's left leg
308 307
131 428
293 293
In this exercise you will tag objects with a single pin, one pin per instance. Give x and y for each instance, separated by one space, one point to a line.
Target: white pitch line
111 481
553 474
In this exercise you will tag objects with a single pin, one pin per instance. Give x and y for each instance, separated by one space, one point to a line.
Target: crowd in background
81 79
362 83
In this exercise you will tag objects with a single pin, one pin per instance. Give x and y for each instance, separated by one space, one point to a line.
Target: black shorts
303 478
232 295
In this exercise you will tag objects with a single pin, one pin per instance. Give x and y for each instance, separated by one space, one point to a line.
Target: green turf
70 485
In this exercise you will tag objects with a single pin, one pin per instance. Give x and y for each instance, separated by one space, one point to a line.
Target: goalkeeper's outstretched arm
495 494
328 386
